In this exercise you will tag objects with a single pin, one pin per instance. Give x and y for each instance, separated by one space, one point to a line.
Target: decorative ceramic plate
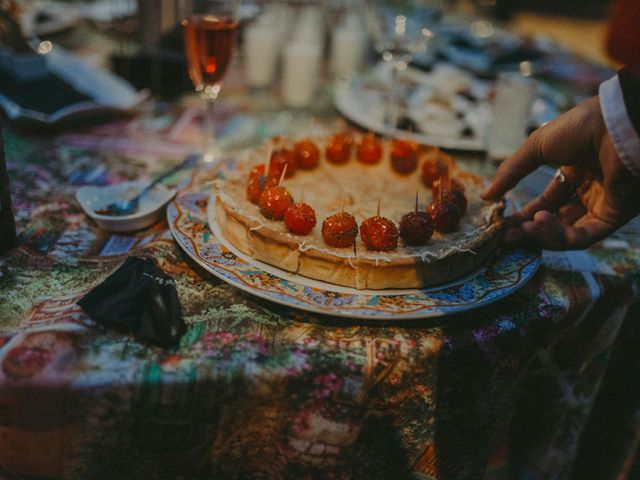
188 219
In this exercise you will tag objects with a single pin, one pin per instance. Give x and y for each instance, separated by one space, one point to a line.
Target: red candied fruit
307 154
445 216
274 202
457 198
300 218
369 149
379 234
436 166
339 230
404 156
454 194
257 183
338 148
416 228
455 185
280 158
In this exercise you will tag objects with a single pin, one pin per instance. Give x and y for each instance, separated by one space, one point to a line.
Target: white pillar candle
309 26
347 50
280 18
511 113
260 53
307 34
300 73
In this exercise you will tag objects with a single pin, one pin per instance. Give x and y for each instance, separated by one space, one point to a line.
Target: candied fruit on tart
274 202
437 164
338 148
404 156
369 149
340 230
281 158
416 228
307 154
379 234
445 216
300 218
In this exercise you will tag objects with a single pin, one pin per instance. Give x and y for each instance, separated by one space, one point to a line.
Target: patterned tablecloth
533 386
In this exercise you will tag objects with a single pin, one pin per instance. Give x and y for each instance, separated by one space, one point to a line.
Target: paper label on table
118 245
575 260
629 233
615 244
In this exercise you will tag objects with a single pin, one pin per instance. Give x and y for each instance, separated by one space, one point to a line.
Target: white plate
434 105
92 198
365 107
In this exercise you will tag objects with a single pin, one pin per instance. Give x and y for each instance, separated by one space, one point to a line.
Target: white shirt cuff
624 136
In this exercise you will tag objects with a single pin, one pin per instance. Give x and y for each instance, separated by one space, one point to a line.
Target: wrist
619 124
630 86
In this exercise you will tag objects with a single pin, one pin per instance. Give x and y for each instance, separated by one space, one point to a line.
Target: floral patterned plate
503 275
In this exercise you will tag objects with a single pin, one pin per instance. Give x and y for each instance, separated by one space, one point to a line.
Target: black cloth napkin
47 94
140 298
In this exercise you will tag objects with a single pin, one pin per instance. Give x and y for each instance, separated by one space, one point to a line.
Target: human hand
593 195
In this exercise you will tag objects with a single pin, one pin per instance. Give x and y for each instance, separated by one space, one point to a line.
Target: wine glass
400 30
209 40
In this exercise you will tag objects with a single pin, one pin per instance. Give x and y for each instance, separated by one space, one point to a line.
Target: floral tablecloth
537 386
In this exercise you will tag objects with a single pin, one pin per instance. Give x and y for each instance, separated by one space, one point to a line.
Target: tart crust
444 258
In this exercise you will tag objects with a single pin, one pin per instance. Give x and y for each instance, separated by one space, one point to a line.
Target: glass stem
394 93
209 96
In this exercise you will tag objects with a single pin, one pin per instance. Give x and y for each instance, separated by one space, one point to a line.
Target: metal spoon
129 207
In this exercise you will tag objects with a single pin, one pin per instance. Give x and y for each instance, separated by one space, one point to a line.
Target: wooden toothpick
302 194
284 170
269 154
378 209
416 201
342 208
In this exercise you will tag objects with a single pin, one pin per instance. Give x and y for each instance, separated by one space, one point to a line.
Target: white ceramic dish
92 198
40 18
439 112
366 107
